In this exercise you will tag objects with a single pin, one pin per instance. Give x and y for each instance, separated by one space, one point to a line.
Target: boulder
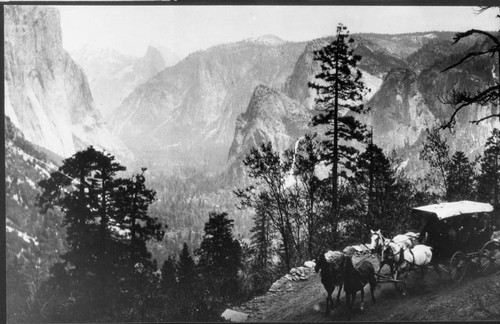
234 316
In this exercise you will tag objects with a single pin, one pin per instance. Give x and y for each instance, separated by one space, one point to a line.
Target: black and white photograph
316 161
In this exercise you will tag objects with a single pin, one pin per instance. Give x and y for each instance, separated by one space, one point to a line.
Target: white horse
378 242
407 240
404 240
404 259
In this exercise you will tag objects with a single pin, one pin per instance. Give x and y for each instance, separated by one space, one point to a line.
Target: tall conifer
340 92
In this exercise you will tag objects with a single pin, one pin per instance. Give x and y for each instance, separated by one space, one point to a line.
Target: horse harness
401 256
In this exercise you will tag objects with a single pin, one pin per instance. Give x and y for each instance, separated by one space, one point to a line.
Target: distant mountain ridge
193 112
112 75
187 113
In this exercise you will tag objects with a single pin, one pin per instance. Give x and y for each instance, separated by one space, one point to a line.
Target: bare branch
470 56
464 99
459 36
476 122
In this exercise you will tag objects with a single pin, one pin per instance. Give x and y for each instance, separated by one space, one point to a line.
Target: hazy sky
184 29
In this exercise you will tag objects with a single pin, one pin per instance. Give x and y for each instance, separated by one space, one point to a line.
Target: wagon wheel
490 257
458 265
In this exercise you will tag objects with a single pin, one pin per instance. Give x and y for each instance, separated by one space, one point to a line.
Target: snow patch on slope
24 236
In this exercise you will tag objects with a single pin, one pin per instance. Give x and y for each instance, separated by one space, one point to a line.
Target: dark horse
355 279
331 274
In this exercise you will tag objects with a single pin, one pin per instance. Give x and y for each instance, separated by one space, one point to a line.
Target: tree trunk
335 139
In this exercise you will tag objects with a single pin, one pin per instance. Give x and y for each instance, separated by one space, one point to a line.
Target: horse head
320 262
347 265
377 240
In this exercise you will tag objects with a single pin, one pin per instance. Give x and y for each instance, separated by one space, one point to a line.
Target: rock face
271 116
47 94
112 76
186 114
409 100
376 62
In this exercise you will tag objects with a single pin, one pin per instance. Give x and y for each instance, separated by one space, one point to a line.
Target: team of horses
402 253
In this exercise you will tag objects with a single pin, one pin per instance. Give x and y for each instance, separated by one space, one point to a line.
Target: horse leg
362 307
435 265
351 306
373 285
393 271
381 263
329 300
348 304
338 294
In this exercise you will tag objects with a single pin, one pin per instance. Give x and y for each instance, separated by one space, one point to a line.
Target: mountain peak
152 53
268 39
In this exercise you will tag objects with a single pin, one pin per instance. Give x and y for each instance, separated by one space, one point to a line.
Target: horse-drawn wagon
455 237
460 234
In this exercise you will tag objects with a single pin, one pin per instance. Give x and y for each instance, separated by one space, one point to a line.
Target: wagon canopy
450 209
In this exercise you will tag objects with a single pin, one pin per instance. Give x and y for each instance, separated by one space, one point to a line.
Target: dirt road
474 298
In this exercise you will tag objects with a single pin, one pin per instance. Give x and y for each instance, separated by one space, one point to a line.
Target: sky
185 29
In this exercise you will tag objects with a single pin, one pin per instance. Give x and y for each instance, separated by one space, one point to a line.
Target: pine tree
376 179
220 257
311 190
262 235
460 180
340 90
185 268
133 200
436 152
168 279
107 267
489 177
191 301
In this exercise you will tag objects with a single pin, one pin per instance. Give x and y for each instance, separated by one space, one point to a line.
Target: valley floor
475 298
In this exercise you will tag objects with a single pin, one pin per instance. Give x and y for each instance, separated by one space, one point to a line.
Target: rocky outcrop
271 116
47 94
